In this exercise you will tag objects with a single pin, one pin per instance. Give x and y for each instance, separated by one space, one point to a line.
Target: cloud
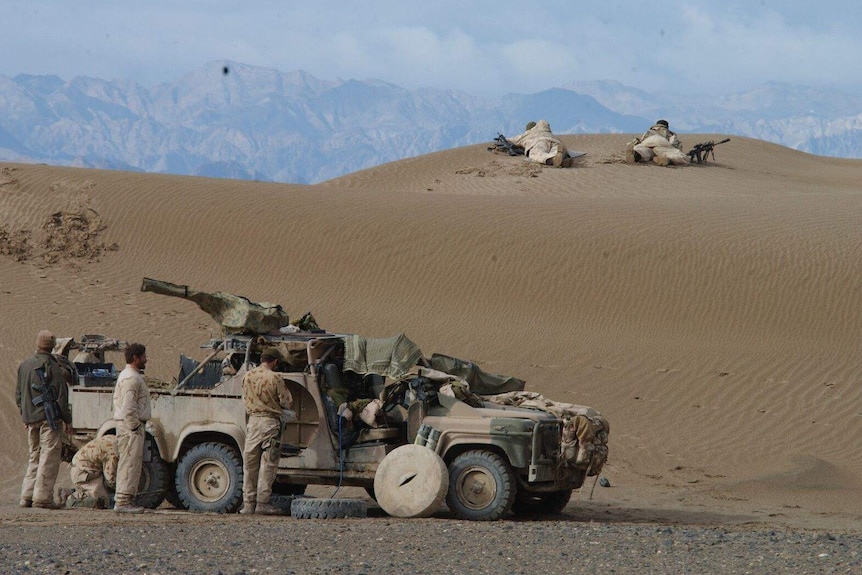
482 47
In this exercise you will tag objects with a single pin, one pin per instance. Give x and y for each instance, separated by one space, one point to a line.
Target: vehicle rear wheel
541 503
326 508
154 482
481 486
209 478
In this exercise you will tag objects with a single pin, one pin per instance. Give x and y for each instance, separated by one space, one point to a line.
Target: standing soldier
42 396
93 468
265 396
131 412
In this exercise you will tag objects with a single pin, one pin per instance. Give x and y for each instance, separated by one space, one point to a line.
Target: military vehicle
500 458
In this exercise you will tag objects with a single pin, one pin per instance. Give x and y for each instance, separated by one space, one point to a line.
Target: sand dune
712 312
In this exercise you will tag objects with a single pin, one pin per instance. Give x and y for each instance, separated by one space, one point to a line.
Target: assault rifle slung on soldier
700 152
46 399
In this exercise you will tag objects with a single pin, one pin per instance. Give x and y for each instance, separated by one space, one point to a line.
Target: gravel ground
167 541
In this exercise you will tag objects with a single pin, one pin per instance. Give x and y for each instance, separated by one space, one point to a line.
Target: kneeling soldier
94 471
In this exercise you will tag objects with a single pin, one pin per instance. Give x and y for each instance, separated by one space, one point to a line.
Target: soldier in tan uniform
42 396
659 145
131 412
541 145
94 471
265 396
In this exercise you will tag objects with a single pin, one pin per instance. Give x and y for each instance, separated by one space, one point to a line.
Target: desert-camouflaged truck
499 458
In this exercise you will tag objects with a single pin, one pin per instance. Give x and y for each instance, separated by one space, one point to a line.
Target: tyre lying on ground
326 508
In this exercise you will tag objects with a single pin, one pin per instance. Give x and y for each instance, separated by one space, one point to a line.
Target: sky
483 48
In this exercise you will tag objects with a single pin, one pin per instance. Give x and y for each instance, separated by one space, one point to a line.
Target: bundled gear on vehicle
583 427
236 314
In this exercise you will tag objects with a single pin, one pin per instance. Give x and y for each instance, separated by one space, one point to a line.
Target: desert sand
711 313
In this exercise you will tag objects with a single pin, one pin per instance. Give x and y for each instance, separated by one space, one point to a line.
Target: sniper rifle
504 145
700 152
46 399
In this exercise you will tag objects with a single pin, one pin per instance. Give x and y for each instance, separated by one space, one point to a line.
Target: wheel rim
209 480
477 488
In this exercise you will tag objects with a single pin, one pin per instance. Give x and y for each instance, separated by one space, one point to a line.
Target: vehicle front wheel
209 478
482 486
542 503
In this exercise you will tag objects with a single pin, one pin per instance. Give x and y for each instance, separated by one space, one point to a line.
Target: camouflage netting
236 314
391 357
480 381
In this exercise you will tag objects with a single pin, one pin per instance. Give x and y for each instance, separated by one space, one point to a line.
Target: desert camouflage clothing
94 471
658 145
131 412
264 393
540 144
44 444
265 396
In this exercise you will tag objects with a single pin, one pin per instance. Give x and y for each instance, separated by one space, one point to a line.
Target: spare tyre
325 508
411 481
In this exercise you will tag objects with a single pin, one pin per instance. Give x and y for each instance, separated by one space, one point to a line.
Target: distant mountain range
233 120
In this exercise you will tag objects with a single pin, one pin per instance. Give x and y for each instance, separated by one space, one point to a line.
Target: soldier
658 144
131 412
265 396
42 396
94 468
541 145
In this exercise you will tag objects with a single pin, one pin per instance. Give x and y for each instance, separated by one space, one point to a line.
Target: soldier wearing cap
42 383
265 396
654 145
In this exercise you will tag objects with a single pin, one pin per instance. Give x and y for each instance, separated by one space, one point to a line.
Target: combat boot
127 508
24 503
247 509
661 161
267 509
46 505
630 154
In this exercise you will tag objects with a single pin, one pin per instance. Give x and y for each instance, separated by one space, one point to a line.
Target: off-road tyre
154 483
541 503
324 508
482 486
209 478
